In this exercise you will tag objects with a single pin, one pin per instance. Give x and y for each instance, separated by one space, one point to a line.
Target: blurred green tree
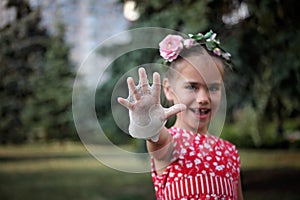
48 110
35 78
23 44
268 72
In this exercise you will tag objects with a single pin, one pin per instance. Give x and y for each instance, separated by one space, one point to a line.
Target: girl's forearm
162 149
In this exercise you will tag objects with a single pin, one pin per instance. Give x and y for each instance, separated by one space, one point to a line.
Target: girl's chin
196 126
193 121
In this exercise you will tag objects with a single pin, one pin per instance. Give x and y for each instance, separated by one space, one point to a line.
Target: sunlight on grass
267 159
41 157
50 165
55 156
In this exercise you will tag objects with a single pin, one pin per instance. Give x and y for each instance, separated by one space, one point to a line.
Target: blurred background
43 44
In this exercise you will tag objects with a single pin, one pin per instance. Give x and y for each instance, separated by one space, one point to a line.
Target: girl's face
198 85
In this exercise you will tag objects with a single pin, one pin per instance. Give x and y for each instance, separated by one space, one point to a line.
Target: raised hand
147 116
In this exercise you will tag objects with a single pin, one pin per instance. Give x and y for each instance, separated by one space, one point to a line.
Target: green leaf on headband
198 37
210 45
208 34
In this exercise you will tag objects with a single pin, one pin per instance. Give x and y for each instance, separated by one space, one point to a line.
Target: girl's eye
214 88
191 87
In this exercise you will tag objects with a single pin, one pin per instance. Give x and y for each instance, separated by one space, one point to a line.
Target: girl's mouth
201 113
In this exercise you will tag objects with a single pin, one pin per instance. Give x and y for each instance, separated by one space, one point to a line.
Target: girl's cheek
182 100
182 95
188 97
215 99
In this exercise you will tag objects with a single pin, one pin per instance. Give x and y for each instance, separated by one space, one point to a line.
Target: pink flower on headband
217 51
170 47
188 43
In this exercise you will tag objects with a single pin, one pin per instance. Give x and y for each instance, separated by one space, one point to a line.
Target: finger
125 103
132 89
143 80
156 86
174 110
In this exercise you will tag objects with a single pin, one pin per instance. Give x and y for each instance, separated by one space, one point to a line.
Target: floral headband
171 46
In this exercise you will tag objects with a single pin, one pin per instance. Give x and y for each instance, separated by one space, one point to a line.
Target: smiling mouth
201 111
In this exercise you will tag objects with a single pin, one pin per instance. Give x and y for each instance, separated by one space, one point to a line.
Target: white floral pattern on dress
210 163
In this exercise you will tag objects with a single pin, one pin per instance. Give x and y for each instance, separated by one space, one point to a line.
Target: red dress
203 167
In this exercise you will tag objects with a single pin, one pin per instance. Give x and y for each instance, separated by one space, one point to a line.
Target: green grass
54 171
51 171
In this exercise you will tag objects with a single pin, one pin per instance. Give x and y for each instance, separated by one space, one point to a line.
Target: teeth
201 111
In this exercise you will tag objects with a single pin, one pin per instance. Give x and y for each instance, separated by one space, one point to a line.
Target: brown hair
194 51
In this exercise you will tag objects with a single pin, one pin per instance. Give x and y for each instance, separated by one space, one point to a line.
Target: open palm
147 116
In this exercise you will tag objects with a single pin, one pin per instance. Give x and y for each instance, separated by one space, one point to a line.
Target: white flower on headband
188 43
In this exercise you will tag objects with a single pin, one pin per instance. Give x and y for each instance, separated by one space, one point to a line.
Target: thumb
169 112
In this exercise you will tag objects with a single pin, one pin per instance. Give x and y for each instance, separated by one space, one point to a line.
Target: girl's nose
202 96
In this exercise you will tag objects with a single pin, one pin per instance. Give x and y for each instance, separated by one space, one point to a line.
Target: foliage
188 16
244 134
269 66
22 47
48 109
35 82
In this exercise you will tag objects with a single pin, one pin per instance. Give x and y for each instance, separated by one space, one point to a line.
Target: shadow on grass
264 184
102 184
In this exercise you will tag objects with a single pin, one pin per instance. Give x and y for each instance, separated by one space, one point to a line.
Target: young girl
187 161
